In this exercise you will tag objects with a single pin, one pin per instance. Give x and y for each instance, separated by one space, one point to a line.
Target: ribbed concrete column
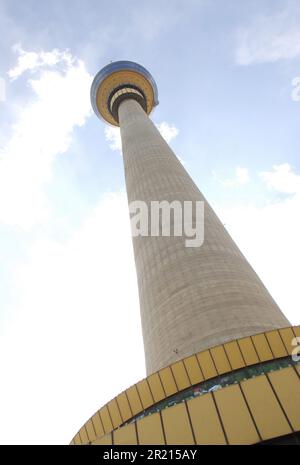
190 298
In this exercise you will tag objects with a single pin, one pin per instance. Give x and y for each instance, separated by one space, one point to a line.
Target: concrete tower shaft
191 298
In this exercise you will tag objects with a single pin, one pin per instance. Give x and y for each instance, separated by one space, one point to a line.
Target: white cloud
31 61
241 177
282 179
43 130
270 38
167 131
75 332
113 135
269 238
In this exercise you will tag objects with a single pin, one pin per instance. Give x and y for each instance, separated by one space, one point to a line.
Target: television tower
217 347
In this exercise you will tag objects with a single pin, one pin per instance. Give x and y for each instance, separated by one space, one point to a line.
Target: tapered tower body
204 310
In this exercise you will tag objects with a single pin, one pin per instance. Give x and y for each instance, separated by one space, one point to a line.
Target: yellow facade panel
124 406
126 435
248 351
156 387
180 375
287 336
98 424
235 416
234 355
77 440
150 430
276 344
207 364
106 421
262 347
266 411
193 369
220 359
177 426
145 393
167 380
83 435
90 430
205 421
104 441
114 413
286 384
134 400
296 330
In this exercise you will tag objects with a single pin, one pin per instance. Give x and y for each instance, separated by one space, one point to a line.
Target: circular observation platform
118 81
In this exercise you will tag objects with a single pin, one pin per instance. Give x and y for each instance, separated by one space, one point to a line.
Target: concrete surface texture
191 298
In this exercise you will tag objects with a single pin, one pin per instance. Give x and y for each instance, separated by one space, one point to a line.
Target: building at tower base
242 392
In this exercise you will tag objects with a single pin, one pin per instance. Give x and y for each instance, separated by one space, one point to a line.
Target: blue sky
69 324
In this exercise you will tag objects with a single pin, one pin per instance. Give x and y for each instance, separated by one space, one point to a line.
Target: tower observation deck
198 305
